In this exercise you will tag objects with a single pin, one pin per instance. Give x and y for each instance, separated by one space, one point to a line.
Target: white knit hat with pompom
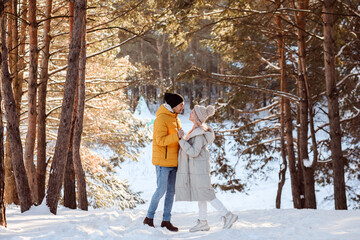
204 112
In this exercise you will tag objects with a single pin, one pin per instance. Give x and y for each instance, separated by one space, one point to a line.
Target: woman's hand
180 133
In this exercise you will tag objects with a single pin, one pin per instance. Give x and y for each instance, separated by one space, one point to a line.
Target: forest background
283 75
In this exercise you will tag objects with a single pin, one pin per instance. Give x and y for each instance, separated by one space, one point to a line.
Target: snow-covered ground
292 224
258 218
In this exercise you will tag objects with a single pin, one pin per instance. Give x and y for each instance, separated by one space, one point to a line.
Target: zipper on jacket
165 152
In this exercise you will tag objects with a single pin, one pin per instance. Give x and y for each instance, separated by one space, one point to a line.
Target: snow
307 162
142 111
258 218
293 224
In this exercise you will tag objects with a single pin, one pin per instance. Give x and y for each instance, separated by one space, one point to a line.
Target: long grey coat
193 174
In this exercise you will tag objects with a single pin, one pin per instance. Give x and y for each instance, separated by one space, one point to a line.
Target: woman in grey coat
193 181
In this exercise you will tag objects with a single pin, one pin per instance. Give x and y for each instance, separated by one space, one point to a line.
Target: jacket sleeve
160 134
195 149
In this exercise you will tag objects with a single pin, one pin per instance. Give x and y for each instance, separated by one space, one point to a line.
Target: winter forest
284 77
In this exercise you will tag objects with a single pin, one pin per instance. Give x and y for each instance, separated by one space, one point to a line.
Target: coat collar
196 132
210 136
168 107
163 110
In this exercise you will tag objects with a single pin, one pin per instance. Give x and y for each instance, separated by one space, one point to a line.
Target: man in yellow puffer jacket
167 133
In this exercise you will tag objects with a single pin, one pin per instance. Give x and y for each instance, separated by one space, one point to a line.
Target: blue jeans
165 178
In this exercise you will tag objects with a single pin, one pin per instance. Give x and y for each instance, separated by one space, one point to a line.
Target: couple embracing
184 171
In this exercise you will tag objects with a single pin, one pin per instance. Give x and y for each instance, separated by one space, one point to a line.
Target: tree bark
41 131
79 172
21 181
333 105
159 50
170 69
2 168
281 54
69 178
11 196
63 139
295 182
14 44
308 170
10 17
17 85
10 185
32 88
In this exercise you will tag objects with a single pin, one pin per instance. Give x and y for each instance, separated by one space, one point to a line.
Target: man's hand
180 133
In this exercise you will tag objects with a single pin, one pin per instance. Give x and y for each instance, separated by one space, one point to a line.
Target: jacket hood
163 110
209 135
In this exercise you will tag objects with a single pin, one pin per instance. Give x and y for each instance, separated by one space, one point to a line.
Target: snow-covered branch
342 49
253 122
215 78
341 121
350 8
88 99
245 77
339 83
264 60
97 53
256 110
261 143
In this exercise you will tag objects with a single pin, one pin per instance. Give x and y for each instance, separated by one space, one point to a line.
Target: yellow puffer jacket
165 138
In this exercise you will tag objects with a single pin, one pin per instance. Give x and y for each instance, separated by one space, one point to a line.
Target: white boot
229 219
201 225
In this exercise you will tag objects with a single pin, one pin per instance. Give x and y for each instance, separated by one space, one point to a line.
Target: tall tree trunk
11 195
298 164
333 105
32 88
69 178
159 51
305 163
170 69
10 17
10 185
14 43
63 139
281 54
295 181
142 51
41 131
17 85
21 181
2 168
79 172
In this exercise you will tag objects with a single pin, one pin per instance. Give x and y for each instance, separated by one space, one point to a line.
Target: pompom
210 110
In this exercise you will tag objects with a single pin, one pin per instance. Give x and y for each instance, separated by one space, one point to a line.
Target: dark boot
169 226
149 221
